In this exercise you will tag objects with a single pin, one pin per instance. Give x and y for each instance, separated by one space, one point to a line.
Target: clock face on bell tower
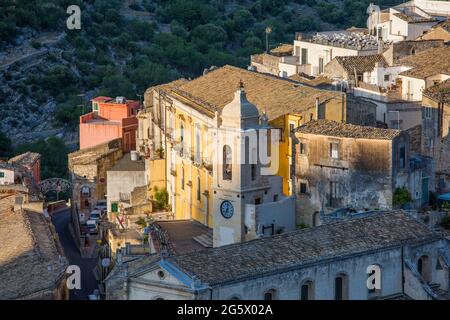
226 209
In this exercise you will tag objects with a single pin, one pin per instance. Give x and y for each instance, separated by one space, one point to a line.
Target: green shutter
2 174
114 207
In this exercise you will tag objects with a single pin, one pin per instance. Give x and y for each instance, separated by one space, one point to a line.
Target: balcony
173 170
179 148
207 164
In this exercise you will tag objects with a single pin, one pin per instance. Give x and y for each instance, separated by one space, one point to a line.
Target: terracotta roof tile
427 63
277 96
294 249
336 129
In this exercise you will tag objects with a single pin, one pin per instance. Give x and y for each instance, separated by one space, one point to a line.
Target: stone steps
205 239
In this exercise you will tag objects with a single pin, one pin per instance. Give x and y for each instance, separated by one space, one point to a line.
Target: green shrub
401 196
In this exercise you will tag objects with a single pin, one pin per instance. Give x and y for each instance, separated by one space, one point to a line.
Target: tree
5 146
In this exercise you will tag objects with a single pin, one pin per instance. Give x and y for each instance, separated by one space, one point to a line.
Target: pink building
110 119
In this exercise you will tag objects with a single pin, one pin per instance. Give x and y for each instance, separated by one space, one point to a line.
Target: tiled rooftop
126 164
345 39
25 159
302 247
439 91
427 63
337 129
360 63
276 96
29 259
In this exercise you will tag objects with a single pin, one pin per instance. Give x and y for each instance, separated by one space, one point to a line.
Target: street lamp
398 118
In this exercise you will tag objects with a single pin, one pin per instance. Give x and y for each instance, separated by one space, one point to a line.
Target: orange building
110 119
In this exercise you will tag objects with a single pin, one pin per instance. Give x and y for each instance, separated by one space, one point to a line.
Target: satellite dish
106 262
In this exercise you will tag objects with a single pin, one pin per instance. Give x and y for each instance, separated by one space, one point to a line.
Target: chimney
380 44
317 108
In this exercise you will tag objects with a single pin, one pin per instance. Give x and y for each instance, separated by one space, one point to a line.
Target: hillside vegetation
49 72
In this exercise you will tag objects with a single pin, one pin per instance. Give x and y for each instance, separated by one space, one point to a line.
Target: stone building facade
88 173
341 165
435 141
184 116
329 262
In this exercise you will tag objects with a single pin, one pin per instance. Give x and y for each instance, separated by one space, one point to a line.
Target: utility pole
81 95
268 31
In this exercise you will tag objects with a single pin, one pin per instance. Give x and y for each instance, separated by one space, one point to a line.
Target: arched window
270 294
307 290
424 268
341 287
227 166
198 188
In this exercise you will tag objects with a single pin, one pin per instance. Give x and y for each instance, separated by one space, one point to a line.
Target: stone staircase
205 239
440 294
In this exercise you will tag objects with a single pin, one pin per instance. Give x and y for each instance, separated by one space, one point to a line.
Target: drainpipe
342 107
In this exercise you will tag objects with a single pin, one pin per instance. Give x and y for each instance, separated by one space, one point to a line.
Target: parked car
92 226
95 215
101 206
82 217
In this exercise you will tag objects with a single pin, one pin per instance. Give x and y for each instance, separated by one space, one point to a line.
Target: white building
248 203
313 53
329 262
6 173
406 21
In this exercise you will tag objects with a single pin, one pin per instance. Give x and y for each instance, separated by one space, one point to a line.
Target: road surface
61 221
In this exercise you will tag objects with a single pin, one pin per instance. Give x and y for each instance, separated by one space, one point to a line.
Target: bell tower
237 171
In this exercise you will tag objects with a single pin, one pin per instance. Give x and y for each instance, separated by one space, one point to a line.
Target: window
320 65
197 144
334 193
94 106
303 188
198 188
114 207
302 148
428 112
334 150
227 166
2 174
402 157
182 178
257 201
270 294
85 192
341 287
275 198
253 166
306 291
304 56
424 268
386 77
181 139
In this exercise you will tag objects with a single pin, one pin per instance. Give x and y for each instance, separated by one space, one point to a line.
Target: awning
445 197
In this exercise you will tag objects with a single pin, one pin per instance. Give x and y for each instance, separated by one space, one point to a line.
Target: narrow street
61 221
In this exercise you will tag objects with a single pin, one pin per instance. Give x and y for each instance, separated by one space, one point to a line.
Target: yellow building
182 118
